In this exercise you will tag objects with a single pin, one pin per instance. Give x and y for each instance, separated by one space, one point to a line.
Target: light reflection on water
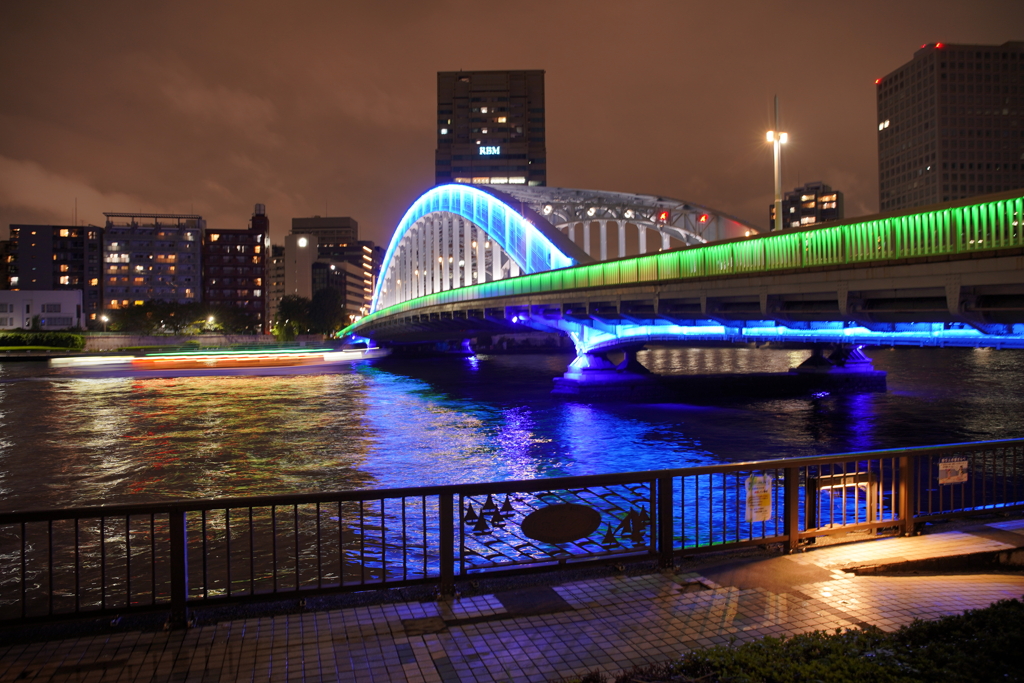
419 422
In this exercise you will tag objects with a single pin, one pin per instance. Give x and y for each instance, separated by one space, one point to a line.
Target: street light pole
777 138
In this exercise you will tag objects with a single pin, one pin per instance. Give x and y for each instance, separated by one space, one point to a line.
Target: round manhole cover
561 523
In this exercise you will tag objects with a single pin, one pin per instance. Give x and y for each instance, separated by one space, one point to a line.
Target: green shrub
979 645
62 340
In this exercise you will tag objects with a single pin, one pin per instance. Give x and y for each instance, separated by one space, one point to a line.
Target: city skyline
320 110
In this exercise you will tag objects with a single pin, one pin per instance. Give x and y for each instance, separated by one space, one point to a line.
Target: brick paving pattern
608 623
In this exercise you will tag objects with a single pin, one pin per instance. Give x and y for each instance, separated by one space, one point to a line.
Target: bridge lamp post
777 139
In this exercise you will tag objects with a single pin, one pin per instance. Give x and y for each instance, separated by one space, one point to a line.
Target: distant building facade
57 257
330 231
6 258
234 266
46 310
151 257
490 128
275 276
812 203
951 124
300 253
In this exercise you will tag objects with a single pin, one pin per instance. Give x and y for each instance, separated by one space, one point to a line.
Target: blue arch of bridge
530 242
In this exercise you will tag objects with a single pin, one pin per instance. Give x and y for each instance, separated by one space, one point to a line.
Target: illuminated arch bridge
458 235
467 260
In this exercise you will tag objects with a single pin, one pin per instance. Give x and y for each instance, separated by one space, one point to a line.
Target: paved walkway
539 634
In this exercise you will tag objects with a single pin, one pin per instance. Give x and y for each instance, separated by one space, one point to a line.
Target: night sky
329 107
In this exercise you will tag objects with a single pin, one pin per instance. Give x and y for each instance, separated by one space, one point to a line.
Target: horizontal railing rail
968 228
175 555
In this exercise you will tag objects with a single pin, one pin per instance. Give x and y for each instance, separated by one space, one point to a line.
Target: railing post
179 568
446 532
666 526
791 507
908 487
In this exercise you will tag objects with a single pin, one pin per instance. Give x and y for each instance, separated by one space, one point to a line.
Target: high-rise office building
951 124
812 203
235 269
490 128
58 257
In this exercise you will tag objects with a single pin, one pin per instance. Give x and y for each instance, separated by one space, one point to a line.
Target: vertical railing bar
78 569
462 533
423 500
252 556
49 551
128 559
341 547
383 542
227 542
1003 459
103 563
319 551
405 543
362 544
682 512
696 510
206 579
24 571
295 525
273 538
152 556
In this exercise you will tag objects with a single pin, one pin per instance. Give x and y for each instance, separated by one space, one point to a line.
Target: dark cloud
329 106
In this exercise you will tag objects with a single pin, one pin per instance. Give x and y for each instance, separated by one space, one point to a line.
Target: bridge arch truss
459 235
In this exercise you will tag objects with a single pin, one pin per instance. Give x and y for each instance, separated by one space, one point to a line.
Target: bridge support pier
846 367
593 375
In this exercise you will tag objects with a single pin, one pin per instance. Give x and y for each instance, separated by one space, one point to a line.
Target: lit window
63 233
502 119
63 267
94 282
65 280
214 238
444 131
499 181
792 209
483 110
139 302
517 180
481 180
484 131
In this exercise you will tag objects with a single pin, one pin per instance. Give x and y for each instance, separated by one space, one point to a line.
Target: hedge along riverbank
62 340
979 645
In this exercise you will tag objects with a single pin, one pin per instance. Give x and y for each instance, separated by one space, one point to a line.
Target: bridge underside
965 301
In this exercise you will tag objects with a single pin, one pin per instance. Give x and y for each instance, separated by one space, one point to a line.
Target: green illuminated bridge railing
977 227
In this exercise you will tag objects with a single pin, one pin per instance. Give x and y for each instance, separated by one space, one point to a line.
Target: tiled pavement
540 634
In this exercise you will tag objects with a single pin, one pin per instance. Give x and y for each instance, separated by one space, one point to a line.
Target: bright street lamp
104 319
777 138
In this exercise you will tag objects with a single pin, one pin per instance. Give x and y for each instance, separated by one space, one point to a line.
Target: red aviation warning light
878 81
703 218
664 217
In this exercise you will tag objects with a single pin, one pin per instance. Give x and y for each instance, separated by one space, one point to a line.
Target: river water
75 441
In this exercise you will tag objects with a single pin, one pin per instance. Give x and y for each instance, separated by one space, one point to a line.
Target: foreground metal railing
174 556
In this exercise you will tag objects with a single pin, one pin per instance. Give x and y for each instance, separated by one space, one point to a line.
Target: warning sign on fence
759 498
952 471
